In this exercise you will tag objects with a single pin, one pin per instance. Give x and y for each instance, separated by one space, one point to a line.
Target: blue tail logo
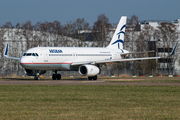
119 40
6 50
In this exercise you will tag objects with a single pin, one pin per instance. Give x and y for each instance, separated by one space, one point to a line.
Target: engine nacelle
89 70
34 72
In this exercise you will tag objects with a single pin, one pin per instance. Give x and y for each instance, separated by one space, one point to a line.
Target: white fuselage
61 58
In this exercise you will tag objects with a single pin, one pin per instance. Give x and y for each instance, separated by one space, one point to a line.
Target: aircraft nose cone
24 62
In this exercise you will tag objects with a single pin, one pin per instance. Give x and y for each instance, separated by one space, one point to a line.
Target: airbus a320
86 60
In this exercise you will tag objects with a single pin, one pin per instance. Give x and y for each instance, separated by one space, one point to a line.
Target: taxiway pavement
76 82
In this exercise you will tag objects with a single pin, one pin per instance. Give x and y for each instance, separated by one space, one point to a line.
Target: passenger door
45 55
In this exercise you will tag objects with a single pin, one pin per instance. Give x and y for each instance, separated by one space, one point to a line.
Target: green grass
89 102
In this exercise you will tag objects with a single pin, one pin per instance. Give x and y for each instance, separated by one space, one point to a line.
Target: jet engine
34 72
89 70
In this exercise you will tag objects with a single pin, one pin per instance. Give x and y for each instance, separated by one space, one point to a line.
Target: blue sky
15 11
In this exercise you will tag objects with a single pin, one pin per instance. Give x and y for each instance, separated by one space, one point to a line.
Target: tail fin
117 41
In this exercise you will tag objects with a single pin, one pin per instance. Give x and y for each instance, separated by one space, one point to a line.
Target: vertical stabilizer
117 41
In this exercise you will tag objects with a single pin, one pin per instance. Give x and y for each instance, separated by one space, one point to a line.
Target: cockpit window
24 54
30 54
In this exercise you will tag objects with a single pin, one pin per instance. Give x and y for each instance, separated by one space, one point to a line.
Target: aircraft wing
5 54
113 61
120 60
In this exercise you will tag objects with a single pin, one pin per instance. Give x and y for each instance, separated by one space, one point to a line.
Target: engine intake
89 70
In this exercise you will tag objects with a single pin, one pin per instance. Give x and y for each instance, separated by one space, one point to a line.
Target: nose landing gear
36 77
56 76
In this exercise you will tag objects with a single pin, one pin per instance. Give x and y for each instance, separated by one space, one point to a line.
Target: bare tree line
24 36
161 40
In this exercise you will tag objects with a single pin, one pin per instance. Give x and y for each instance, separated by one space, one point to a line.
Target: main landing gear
56 76
92 77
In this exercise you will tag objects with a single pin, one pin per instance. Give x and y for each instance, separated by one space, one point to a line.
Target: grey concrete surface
76 82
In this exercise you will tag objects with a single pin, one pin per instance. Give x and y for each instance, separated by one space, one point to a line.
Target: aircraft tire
94 77
58 77
90 78
36 77
54 76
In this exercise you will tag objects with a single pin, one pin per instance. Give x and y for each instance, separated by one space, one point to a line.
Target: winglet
172 53
5 53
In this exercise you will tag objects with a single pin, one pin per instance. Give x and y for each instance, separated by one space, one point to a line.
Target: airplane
86 60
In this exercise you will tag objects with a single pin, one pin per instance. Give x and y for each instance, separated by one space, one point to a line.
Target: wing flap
122 60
